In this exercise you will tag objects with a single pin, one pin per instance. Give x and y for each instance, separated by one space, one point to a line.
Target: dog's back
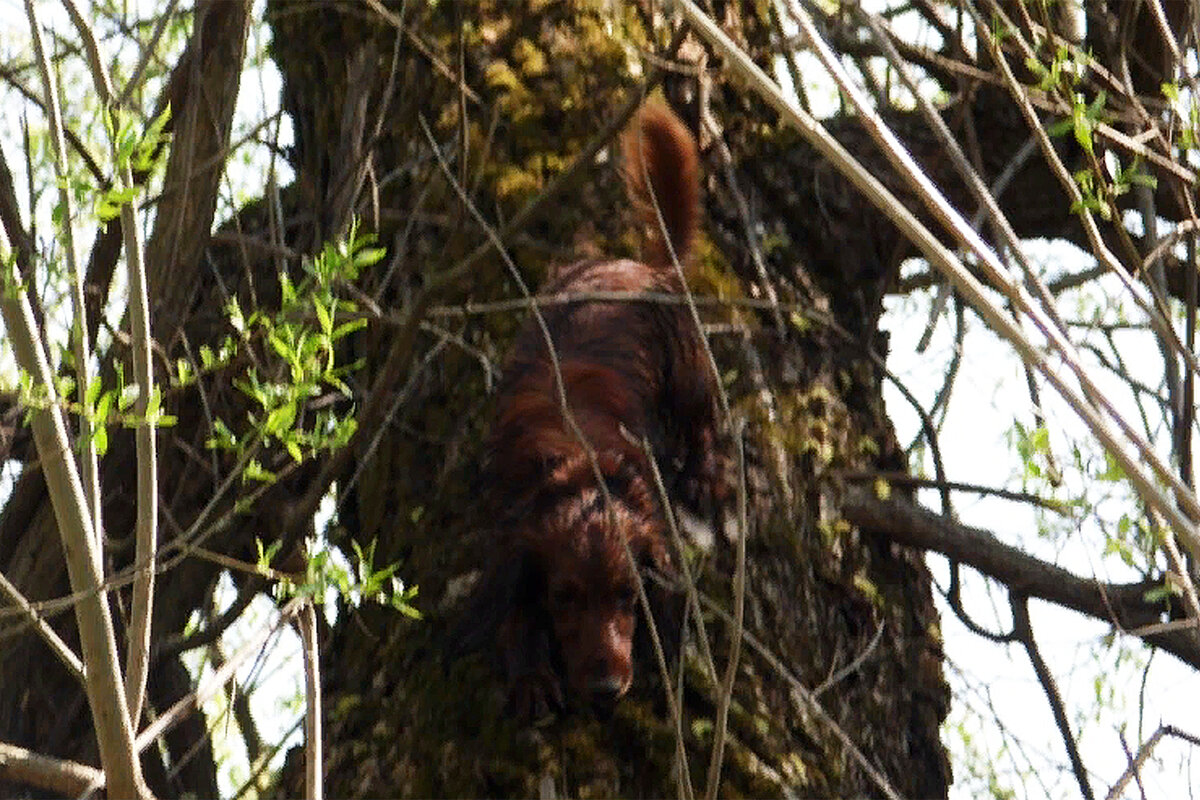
627 370
618 360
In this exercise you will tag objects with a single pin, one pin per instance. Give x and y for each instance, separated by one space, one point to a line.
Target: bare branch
195 700
1144 752
88 458
904 479
109 712
57 646
147 460
55 775
739 621
307 623
1121 604
1024 632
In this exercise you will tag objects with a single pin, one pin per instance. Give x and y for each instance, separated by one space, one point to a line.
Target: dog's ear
666 600
510 584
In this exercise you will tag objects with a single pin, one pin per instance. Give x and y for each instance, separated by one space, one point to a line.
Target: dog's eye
564 595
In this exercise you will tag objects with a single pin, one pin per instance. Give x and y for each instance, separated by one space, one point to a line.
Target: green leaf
143 155
323 316
1061 127
280 419
267 554
255 471
233 311
92 393
222 438
103 406
100 439
347 328
369 256
1160 593
183 372
108 204
1112 469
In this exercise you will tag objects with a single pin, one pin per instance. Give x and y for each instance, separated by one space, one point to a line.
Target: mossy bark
402 718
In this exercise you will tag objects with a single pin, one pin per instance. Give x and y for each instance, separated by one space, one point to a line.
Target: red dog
567 600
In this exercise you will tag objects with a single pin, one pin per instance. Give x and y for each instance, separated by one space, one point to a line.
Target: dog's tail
662 178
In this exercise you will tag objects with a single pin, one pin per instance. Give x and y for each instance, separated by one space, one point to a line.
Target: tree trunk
835 605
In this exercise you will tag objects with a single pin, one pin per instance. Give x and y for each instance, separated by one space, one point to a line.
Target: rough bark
405 719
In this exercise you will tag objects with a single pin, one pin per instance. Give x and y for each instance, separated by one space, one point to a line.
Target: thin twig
904 479
689 582
1144 752
196 699
953 596
148 52
61 649
88 457
775 663
856 662
137 658
1024 631
307 623
739 605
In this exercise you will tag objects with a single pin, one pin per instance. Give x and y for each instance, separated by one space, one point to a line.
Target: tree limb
1120 604
98 639
1024 631
55 775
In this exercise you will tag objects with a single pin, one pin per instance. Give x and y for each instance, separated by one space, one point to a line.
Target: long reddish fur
562 589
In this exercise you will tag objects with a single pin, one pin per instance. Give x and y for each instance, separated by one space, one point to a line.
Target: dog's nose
605 692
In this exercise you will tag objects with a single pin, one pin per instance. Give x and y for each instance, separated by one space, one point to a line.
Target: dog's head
590 585
586 548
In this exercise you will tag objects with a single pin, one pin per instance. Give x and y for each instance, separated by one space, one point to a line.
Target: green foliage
980 765
1090 199
307 354
1066 68
325 573
12 283
133 150
1033 448
100 406
1188 113
1128 177
1084 118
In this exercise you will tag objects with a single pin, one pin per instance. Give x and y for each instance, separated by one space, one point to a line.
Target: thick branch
109 714
1121 604
59 777
204 91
